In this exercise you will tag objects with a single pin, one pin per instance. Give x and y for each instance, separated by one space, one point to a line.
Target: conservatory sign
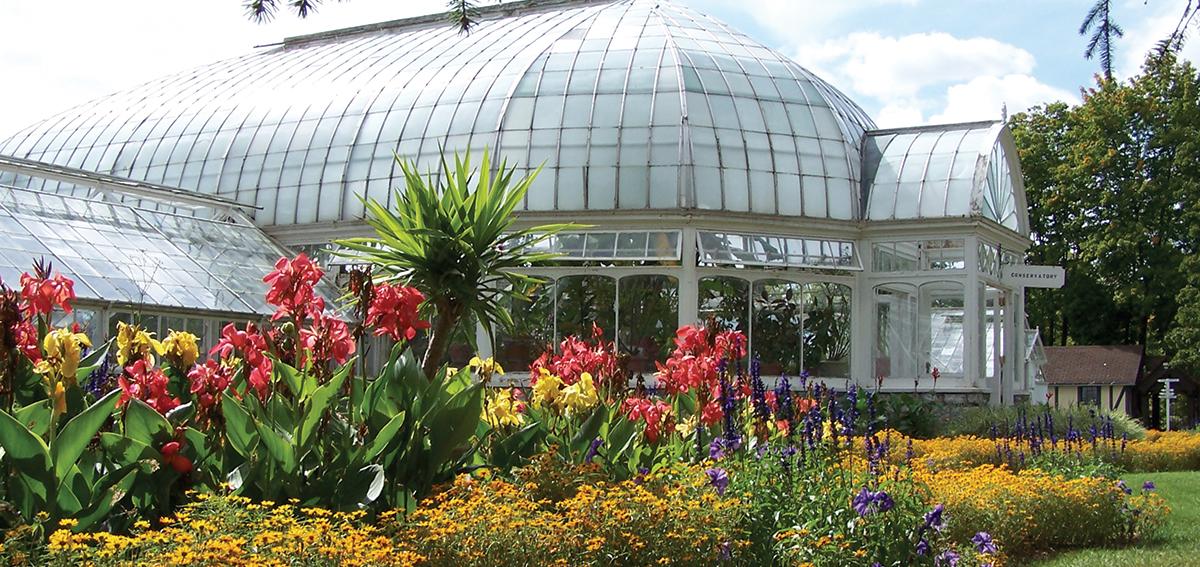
1034 276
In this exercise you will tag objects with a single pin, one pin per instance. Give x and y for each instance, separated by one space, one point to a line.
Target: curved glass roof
955 170
632 104
119 253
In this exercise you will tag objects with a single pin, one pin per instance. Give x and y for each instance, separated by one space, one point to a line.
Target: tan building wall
1112 397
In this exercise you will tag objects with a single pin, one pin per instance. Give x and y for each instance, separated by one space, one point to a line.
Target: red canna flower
393 311
577 356
251 346
207 382
656 414
40 295
697 356
26 336
172 458
291 287
147 384
328 338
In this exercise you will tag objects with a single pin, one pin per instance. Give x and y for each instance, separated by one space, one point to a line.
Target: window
584 301
1089 395
725 302
895 331
923 255
532 332
649 308
778 339
942 308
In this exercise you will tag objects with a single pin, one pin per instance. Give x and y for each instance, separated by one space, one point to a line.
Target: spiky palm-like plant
451 235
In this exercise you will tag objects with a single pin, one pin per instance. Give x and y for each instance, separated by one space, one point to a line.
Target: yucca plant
451 236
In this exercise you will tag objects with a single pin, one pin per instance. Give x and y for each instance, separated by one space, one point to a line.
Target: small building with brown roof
1103 376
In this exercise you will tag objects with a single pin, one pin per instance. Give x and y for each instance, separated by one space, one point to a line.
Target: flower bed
1158 452
1036 511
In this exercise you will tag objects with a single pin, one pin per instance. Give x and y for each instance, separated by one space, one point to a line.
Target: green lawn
1180 545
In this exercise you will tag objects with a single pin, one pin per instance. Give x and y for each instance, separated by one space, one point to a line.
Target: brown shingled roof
1120 364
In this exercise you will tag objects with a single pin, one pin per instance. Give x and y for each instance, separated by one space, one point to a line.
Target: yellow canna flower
133 343
181 348
59 397
63 349
486 367
501 411
548 390
580 396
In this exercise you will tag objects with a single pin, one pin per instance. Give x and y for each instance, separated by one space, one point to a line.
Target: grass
1180 542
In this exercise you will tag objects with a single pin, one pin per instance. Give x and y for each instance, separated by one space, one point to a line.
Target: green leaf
319 403
125 450
291 377
589 430
180 414
453 424
109 490
145 424
78 432
384 438
280 450
362 486
29 455
36 416
239 427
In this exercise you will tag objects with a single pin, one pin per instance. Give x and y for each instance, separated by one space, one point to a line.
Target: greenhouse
712 178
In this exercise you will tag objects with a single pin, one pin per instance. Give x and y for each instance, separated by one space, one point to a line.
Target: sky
905 62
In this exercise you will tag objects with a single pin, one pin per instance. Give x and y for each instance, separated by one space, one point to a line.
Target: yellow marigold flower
580 396
181 348
133 342
548 390
486 367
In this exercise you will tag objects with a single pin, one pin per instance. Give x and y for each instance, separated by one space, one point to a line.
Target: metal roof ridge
497 11
934 127
107 182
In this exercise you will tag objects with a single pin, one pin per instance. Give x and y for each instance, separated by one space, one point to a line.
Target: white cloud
55 57
1145 25
982 98
929 77
887 66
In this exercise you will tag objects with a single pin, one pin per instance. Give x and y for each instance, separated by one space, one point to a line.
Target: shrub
1008 421
1035 511
1163 451
231 530
673 516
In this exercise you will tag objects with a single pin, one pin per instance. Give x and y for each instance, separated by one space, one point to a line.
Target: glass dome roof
630 105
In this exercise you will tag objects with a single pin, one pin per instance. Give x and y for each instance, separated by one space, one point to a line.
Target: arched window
725 301
649 316
533 327
778 328
943 327
827 309
895 352
584 301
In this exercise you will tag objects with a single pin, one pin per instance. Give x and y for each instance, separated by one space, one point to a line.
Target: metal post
1167 395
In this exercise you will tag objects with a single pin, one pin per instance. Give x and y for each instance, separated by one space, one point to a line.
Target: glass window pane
649 318
777 338
724 303
827 308
895 333
584 301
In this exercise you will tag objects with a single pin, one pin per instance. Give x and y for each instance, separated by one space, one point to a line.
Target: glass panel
778 332
584 301
895 332
827 308
724 303
942 310
533 328
649 318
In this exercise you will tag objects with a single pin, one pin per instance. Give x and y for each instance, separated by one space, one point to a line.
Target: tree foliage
1113 185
